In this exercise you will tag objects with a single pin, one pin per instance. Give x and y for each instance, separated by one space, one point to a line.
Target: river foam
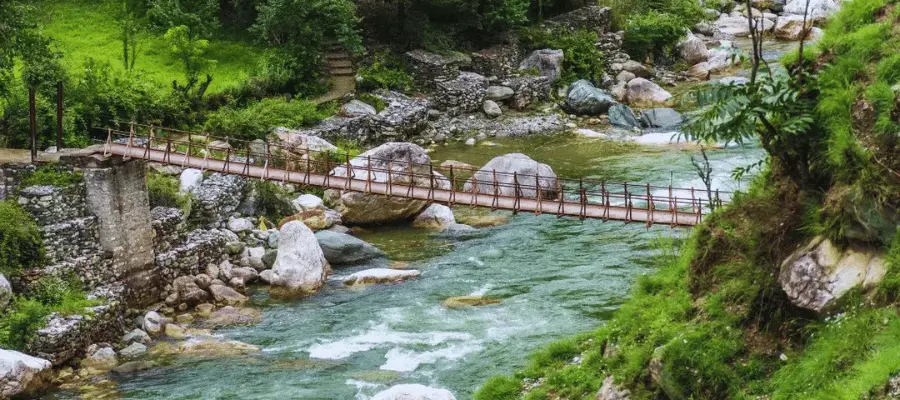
379 336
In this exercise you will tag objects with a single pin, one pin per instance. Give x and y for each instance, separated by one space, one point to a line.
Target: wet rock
661 118
529 174
591 133
609 391
643 93
362 208
185 318
300 265
548 62
457 230
226 295
820 273
205 309
175 331
414 392
213 347
379 275
340 248
101 359
469 301
136 336
231 316
436 216
188 291
133 350
491 109
622 116
21 374
584 99
267 276
356 108
134 366
190 180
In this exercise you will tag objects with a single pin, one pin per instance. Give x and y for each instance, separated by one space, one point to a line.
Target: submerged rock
341 248
414 392
300 265
379 275
21 373
230 316
818 274
469 301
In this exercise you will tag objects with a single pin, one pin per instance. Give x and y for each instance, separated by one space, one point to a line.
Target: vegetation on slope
714 321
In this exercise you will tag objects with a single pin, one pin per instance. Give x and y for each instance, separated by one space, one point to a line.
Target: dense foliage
384 73
51 175
27 314
258 119
21 246
653 34
272 201
163 191
582 59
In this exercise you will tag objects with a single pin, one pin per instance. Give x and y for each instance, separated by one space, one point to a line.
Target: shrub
652 34
384 73
163 191
26 315
689 11
499 388
21 247
259 118
272 201
53 176
373 101
582 59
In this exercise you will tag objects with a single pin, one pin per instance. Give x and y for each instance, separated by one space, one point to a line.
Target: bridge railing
239 155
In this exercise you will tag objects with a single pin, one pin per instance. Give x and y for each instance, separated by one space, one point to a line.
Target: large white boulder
19 372
189 180
790 27
414 392
307 202
301 143
362 208
818 9
818 274
733 26
512 168
436 216
643 93
5 293
300 266
693 50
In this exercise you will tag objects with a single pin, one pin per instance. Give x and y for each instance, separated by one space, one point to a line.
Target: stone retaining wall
528 90
50 204
217 198
499 61
10 176
429 68
167 225
461 95
201 247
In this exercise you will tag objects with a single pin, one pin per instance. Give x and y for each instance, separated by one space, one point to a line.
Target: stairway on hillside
341 72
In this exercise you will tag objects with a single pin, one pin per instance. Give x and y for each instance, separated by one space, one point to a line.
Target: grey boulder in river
527 172
300 265
341 248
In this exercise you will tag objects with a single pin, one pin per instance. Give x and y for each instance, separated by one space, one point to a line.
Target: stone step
337 56
342 72
340 63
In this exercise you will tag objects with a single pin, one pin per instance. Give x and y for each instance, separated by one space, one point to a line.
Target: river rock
548 62
362 208
136 336
300 143
457 165
818 274
636 68
133 350
307 202
255 257
226 295
622 116
733 26
209 346
499 93
584 99
189 180
231 316
643 93
100 359
700 71
5 293
609 391
341 248
300 265
661 118
693 50
245 274
134 366
356 108
379 275
188 291
721 58
624 76
790 27
175 331
20 373
491 109
819 10
436 216
414 392
153 323
530 174
238 225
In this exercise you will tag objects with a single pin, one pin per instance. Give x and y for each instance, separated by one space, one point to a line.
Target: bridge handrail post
167 159
368 174
537 190
265 174
409 172
227 167
675 212
718 199
130 142
106 148
561 207
308 171
516 188
390 179
350 173
246 170
650 207
582 197
286 177
452 187
475 190
149 141
496 192
430 182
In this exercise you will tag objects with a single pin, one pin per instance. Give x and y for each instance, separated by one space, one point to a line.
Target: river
554 277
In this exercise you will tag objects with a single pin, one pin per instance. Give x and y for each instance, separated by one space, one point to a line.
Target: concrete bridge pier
116 193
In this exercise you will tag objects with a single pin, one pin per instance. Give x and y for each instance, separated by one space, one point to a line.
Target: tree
15 33
128 36
189 50
200 17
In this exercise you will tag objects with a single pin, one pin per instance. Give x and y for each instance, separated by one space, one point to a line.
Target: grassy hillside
89 29
714 323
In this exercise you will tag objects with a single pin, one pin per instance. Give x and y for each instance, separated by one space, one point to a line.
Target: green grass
88 29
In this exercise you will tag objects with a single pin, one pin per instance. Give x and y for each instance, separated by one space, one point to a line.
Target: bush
689 11
26 315
53 176
21 246
272 201
499 388
258 119
384 73
582 59
163 191
653 34
373 101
